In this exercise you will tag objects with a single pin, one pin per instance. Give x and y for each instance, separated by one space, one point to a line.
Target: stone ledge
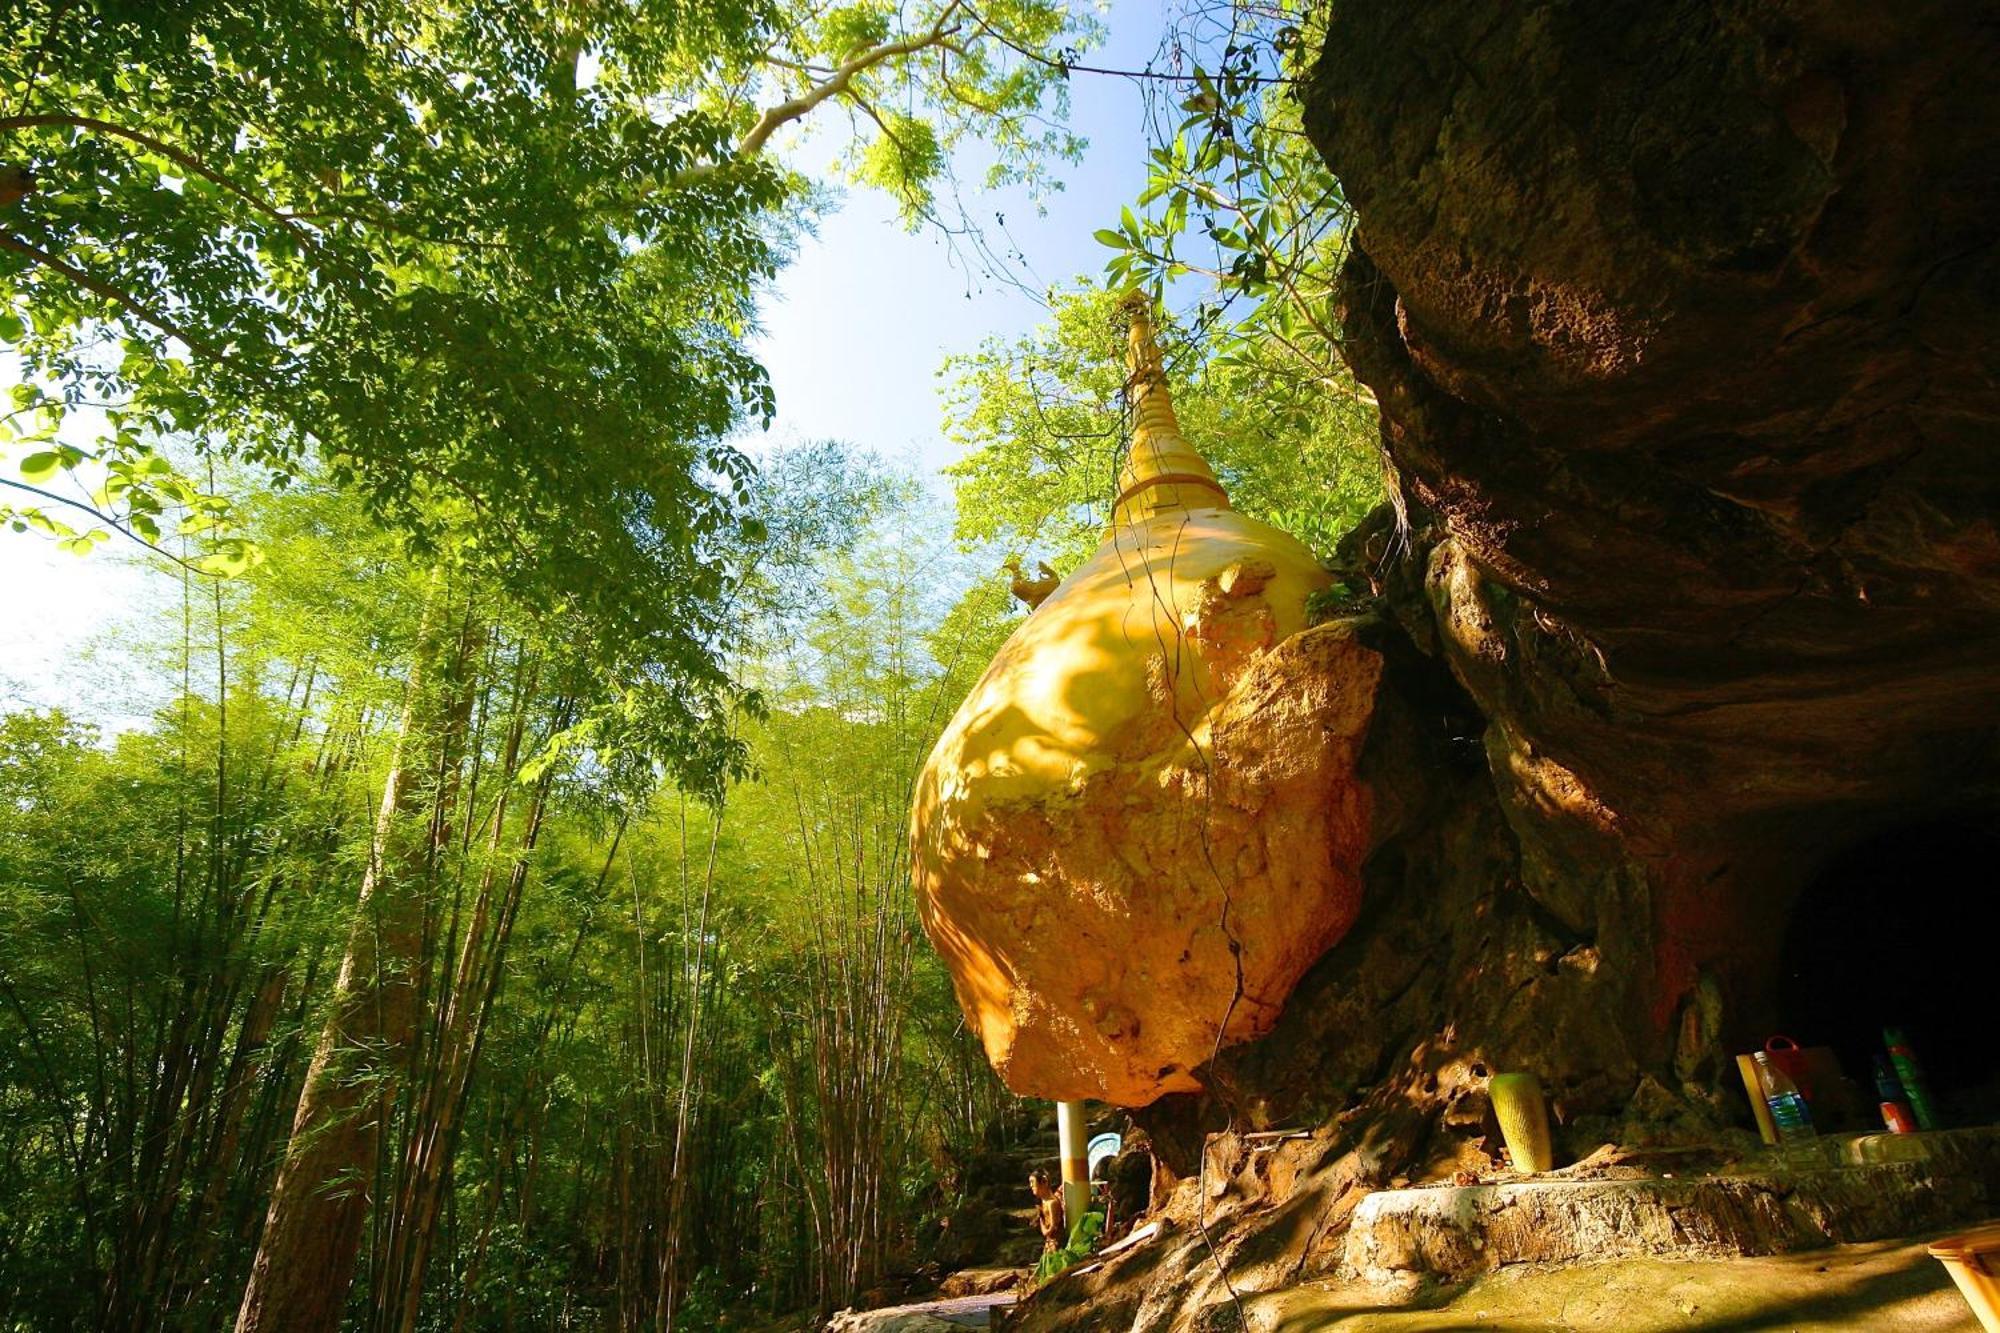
1837 1190
1879 1286
942 1316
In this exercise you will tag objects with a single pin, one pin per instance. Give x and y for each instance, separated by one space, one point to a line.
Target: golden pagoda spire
1162 471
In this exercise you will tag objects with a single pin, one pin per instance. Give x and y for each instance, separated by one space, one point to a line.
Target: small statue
1048 1209
1032 591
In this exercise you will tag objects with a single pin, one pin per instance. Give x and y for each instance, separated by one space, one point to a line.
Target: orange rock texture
1143 824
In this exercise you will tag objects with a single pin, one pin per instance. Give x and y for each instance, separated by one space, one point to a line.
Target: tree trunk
319 1204
434 1122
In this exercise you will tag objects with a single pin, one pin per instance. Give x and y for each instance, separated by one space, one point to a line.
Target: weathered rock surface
1877 1286
1396 1253
940 1316
893 1321
983 1281
1680 316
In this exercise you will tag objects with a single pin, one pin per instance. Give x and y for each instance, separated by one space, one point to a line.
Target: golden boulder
1143 824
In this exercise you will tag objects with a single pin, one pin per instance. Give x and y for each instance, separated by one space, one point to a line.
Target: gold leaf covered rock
1143 825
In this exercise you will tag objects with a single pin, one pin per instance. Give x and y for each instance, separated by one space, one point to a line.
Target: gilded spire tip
1162 471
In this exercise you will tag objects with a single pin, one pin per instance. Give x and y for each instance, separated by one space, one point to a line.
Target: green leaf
1106 236
41 467
11 328
230 558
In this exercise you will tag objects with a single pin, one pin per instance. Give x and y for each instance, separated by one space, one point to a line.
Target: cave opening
1902 929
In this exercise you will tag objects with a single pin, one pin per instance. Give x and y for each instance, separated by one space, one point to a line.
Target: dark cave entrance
1903 929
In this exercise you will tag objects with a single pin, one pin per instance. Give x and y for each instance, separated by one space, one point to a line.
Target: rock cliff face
1682 321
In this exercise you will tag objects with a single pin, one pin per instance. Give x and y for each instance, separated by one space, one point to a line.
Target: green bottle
1911 1075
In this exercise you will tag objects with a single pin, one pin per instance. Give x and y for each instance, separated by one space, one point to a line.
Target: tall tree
610 1106
489 265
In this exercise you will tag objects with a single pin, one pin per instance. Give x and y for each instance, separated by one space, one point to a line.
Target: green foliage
127 951
399 247
926 81
490 266
164 893
904 160
1083 1236
847 29
1042 422
389 238
426 326
1237 198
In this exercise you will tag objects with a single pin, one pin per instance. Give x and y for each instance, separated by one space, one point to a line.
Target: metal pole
1070 1131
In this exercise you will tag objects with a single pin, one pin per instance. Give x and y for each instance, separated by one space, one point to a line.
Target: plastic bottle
1895 1102
1911 1074
1789 1112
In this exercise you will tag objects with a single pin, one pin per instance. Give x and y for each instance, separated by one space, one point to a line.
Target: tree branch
116 295
178 157
111 523
843 76
1066 67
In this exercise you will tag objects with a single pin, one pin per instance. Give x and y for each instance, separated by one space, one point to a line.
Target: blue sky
861 321
854 332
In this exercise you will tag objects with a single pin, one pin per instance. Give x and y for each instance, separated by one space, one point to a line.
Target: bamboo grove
438 955
619 1054
502 919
